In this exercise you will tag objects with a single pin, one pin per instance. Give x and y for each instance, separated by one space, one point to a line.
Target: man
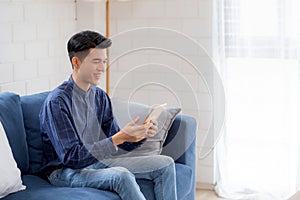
80 134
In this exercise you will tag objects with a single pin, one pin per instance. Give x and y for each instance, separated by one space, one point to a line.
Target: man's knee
123 174
165 160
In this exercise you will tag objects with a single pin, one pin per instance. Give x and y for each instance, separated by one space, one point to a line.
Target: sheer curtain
256 45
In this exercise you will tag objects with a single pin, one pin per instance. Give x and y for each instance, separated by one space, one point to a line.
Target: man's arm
57 122
129 137
128 140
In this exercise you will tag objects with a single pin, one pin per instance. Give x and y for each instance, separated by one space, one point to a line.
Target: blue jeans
119 174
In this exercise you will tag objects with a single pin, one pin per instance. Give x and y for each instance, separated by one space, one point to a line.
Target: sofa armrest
180 144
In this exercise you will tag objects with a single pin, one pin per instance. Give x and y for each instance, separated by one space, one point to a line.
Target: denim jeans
119 174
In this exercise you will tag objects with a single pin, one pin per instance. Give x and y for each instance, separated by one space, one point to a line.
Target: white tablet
155 112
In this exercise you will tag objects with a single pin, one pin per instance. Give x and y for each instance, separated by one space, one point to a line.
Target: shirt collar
80 91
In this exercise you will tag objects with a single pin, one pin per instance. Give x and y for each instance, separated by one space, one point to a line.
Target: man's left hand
153 128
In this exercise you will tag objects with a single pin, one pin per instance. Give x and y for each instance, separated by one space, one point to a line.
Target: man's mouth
98 75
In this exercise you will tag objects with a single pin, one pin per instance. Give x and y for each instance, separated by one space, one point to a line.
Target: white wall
33 40
191 17
33 56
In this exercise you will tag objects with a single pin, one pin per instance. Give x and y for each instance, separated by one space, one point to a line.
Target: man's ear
76 63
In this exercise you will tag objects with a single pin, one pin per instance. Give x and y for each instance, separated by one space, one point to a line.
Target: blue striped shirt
69 132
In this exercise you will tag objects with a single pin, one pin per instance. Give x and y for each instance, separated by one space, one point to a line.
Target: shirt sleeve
58 124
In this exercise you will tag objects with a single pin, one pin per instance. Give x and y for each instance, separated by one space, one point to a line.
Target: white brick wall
11 12
35 12
147 9
11 52
8 76
6 33
193 18
33 58
33 37
36 50
48 30
186 9
25 70
24 32
48 67
18 87
37 85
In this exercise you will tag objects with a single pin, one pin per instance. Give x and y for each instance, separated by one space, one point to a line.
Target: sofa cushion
31 105
12 121
125 112
10 179
38 189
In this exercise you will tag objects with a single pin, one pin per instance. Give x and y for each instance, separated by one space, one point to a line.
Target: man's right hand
131 132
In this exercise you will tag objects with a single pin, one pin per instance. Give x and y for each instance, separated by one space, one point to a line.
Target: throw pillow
125 112
10 179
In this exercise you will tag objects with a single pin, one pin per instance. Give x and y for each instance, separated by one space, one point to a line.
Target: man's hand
131 132
137 131
153 128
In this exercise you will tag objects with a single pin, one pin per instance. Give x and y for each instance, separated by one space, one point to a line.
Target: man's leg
159 168
117 179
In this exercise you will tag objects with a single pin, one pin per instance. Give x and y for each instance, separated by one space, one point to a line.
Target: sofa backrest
31 105
20 119
11 118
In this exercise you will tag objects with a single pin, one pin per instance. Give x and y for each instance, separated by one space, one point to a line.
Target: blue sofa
19 116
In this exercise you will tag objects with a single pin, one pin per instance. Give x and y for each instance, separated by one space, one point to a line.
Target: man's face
93 66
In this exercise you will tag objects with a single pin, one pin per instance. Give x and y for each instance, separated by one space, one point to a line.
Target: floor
207 195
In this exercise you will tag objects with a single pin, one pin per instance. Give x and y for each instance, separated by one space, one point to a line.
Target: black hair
80 43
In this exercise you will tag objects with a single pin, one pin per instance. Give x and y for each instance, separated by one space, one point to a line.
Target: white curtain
256 45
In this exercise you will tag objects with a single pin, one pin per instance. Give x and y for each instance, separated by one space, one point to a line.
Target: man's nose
101 67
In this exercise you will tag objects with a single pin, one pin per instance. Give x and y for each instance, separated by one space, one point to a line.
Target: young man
80 134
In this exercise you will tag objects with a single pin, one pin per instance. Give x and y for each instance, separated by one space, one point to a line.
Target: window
257 156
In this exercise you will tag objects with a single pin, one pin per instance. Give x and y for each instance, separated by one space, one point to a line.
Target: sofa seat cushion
38 189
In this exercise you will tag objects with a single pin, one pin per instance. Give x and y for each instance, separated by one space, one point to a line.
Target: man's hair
80 43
